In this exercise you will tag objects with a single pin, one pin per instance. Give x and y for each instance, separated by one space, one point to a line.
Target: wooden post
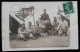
33 17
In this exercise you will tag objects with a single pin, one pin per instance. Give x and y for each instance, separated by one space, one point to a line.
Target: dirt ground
49 41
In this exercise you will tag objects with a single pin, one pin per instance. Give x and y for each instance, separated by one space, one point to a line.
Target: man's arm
41 16
48 17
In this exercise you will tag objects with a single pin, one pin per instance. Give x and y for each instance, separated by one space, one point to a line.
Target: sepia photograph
40 24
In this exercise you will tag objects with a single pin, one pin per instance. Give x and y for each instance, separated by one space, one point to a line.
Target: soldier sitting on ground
29 31
64 27
43 28
64 24
22 32
55 27
37 30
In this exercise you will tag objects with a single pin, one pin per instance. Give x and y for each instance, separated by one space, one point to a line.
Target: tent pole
33 17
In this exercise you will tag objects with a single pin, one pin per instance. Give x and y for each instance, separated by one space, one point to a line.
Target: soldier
55 27
37 30
46 21
45 16
29 31
22 32
64 27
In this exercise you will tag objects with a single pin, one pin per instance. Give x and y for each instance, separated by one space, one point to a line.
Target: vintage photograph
30 26
38 25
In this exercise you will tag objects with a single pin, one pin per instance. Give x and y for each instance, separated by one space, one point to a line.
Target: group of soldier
44 27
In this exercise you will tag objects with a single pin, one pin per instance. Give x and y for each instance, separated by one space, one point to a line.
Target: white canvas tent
18 19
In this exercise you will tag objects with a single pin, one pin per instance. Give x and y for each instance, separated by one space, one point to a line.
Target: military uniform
55 27
30 32
64 27
22 33
46 22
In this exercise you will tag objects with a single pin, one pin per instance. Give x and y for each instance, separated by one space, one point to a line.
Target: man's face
23 26
25 11
54 18
37 23
30 23
44 11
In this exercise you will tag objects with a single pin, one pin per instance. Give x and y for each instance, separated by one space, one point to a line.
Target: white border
5 30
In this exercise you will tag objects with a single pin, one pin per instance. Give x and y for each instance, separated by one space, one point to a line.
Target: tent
15 20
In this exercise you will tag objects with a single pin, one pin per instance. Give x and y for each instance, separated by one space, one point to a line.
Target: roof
30 8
